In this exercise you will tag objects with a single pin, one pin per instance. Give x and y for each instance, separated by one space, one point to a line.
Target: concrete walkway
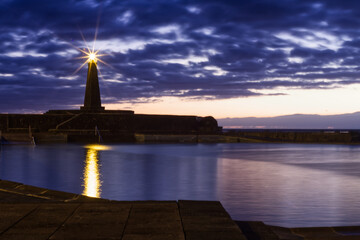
28 212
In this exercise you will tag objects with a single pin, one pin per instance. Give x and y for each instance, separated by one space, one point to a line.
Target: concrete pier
28 212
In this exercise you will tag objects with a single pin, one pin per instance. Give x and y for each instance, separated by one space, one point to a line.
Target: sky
225 58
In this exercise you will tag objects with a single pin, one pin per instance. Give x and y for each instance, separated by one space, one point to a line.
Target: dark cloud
193 49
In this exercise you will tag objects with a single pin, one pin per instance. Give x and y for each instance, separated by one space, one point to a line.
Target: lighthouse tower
92 101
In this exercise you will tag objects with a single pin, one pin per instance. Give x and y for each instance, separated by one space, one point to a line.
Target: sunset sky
225 58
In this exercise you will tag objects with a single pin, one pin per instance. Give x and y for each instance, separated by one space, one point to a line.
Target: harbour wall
105 126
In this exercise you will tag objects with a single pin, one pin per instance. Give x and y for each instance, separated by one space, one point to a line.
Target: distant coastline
350 121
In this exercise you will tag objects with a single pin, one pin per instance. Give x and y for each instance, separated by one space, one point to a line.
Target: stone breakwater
293 136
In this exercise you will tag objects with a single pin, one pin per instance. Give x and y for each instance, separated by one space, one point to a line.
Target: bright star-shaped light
92 57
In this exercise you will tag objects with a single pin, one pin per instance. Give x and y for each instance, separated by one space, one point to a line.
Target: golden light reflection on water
92 183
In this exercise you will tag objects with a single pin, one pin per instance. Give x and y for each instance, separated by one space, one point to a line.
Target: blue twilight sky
226 58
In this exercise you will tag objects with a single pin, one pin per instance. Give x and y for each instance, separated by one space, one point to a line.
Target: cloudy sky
226 58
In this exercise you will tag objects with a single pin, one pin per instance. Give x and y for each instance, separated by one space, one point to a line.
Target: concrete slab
89 231
10 214
257 230
323 233
161 236
155 220
217 235
207 220
284 233
40 223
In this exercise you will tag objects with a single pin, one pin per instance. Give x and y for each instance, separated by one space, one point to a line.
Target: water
291 185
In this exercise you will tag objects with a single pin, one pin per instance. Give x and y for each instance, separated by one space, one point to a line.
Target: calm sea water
289 185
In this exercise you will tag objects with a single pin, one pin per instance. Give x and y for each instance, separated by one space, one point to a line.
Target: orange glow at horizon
295 101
